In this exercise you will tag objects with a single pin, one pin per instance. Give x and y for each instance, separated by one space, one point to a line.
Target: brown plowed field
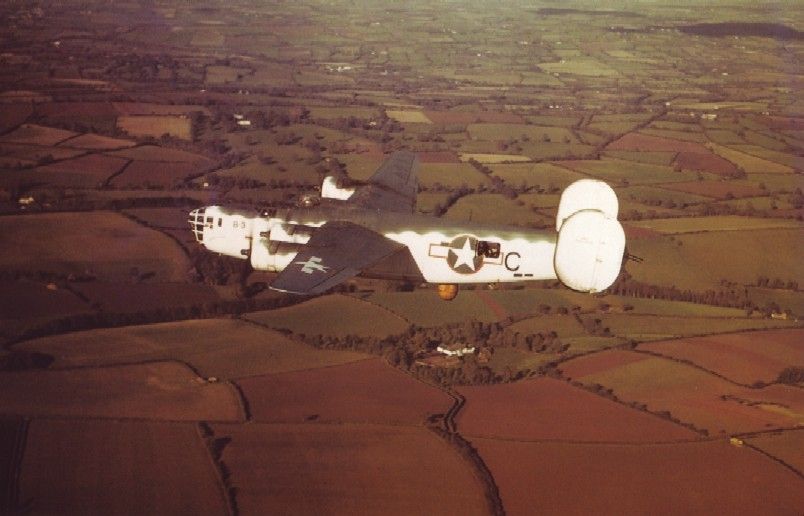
156 173
645 142
13 115
684 478
742 357
347 469
156 390
88 170
145 108
785 446
37 135
118 467
26 299
716 189
691 395
639 233
365 391
705 162
545 409
145 296
103 243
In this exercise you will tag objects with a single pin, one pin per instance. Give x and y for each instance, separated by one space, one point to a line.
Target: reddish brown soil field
89 170
37 135
145 296
438 157
347 469
706 162
686 478
27 299
154 153
154 173
144 108
785 446
599 362
157 390
741 357
715 189
548 409
118 467
364 391
12 433
471 117
76 109
174 218
644 142
12 115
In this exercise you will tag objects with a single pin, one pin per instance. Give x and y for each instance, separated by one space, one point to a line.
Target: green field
425 308
223 348
544 175
451 175
650 327
717 223
333 315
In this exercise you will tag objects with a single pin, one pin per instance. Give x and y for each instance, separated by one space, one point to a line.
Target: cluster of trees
776 283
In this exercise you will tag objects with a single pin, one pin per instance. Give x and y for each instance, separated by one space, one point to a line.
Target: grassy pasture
33 134
217 74
783 158
517 131
425 308
75 466
155 125
741 357
549 409
652 327
328 113
634 173
715 223
563 325
91 141
493 209
703 477
737 256
751 164
451 175
27 299
658 194
653 143
366 391
333 315
583 66
695 396
554 120
493 158
347 469
105 243
717 189
144 296
35 153
223 348
408 117
154 153
156 390
535 174
426 202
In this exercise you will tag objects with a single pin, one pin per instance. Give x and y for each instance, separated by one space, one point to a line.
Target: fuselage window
220 222
488 249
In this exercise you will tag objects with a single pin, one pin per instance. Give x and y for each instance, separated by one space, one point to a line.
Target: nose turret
196 221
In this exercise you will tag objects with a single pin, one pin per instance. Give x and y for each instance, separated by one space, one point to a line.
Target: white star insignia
466 255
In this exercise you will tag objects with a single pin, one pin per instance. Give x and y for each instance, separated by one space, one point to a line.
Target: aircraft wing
392 187
336 252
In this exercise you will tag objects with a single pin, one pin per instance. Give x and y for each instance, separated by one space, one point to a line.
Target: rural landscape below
142 374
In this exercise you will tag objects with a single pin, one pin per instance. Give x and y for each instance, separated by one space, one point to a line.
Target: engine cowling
589 251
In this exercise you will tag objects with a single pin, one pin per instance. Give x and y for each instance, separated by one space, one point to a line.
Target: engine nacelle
331 190
589 251
272 256
587 194
290 233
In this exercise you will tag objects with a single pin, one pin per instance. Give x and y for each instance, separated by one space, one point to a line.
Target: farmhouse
456 349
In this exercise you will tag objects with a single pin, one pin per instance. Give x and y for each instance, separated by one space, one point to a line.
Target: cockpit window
196 221
488 249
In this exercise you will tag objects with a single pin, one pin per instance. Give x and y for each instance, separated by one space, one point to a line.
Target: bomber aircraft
371 230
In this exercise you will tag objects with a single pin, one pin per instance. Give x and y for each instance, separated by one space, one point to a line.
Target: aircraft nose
196 221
